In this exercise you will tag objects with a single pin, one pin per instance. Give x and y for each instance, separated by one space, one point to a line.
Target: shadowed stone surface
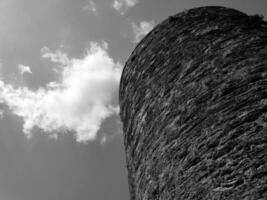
193 100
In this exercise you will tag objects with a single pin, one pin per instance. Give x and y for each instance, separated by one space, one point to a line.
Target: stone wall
193 99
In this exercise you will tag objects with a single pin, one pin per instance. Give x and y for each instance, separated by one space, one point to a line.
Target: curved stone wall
193 99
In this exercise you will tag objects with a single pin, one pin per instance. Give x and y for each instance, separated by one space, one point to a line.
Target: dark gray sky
60 64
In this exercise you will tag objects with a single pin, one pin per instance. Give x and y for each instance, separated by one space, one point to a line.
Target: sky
60 67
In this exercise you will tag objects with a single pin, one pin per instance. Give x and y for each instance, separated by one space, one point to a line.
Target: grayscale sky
60 66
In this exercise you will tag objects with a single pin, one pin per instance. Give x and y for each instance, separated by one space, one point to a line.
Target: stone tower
193 100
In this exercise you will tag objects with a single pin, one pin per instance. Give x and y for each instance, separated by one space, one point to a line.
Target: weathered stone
193 100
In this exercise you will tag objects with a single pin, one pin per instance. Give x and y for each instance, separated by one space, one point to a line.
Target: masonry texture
193 100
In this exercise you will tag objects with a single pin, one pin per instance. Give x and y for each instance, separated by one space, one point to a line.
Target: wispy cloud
24 69
123 5
58 56
90 7
1 70
1 114
79 101
141 29
116 131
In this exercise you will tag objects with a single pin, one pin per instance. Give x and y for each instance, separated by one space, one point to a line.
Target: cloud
1 114
111 132
1 70
123 5
24 69
90 7
57 57
141 29
78 102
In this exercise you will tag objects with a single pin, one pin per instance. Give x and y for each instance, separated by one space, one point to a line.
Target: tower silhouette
193 99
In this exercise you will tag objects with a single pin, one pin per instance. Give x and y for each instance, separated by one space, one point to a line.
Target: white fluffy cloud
123 5
141 29
79 101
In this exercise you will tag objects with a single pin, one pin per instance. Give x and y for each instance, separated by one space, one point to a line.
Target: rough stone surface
193 100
